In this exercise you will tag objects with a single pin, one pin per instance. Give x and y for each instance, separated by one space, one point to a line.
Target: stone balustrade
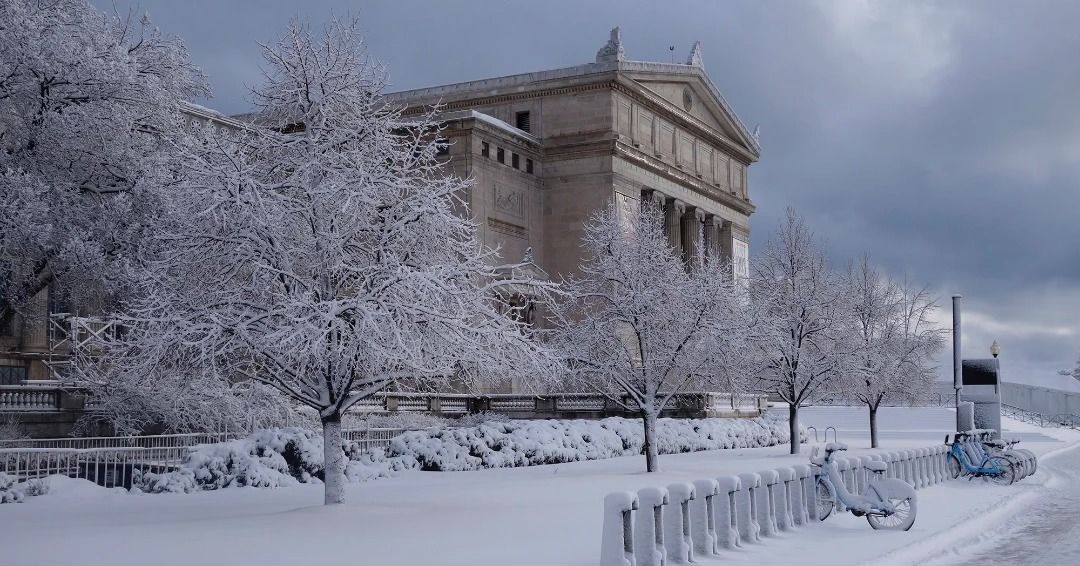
711 516
29 398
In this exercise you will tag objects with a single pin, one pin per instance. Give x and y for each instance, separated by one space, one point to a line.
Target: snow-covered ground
542 515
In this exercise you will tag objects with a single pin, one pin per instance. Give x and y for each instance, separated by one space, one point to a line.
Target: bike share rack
827 429
679 523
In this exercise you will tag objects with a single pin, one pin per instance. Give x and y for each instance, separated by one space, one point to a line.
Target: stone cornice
681 177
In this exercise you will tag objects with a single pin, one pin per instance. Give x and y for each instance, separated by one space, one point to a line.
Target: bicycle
964 452
887 503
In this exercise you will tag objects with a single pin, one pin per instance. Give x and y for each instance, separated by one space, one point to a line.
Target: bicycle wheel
1006 472
824 500
954 467
1020 469
901 520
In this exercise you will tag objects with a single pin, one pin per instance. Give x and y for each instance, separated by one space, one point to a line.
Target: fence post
727 525
617 546
677 529
747 515
649 527
703 518
785 517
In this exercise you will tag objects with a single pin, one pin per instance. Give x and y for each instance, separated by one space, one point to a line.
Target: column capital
678 205
699 214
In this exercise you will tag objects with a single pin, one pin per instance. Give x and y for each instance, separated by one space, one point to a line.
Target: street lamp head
995 349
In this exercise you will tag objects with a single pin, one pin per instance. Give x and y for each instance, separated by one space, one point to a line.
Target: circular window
687 99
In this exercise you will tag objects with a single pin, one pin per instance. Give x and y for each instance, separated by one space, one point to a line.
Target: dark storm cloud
942 138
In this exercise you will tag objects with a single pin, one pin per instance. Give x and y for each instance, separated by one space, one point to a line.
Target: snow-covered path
1045 531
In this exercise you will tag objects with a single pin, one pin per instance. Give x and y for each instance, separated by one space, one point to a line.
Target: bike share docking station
982 388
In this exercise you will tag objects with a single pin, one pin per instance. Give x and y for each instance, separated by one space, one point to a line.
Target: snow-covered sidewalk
543 515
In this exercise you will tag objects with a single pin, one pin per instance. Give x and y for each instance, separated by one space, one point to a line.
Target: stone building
545 150
548 149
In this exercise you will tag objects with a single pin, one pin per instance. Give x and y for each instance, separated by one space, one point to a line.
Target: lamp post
995 349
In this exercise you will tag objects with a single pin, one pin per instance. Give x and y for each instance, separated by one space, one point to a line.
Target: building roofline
484 86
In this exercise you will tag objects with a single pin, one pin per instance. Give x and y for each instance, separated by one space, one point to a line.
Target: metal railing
109 467
1023 415
116 461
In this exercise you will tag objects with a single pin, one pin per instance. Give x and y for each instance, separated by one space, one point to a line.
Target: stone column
724 243
712 235
691 230
673 212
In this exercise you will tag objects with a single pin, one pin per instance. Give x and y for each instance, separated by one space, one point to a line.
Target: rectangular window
485 149
528 166
500 155
12 375
522 121
515 161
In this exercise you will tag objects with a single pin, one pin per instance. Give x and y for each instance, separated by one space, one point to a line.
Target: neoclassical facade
547 149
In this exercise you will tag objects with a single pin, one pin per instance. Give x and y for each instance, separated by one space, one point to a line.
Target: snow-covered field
542 515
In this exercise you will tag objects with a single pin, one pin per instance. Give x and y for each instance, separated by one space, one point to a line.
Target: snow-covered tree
806 343
87 102
892 325
640 328
319 253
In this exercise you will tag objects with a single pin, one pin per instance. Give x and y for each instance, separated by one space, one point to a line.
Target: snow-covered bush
12 492
291 456
534 442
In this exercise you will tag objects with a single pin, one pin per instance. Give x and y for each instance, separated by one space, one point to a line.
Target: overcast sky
941 138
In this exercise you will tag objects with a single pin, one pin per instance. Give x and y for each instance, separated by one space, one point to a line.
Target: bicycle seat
876 466
834 446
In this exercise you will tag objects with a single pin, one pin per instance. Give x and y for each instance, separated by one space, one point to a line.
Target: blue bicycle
968 456
887 503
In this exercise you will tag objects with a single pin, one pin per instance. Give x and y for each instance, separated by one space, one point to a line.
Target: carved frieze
510 200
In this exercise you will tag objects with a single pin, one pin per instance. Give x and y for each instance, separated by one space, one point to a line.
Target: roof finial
613 50
695 55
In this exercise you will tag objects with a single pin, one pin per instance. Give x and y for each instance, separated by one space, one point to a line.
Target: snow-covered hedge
12 492
276 457
290 456
529 443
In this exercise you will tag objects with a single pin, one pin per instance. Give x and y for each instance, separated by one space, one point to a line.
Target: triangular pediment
693 96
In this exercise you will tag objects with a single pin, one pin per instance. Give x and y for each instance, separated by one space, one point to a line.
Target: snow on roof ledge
489 120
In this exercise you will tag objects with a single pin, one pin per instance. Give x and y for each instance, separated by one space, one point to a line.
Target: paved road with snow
1047 532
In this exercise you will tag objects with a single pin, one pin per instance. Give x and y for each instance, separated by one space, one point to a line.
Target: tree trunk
651 463
873 426
793 425
333 461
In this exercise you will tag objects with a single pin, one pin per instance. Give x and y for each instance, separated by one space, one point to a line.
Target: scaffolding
72 338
